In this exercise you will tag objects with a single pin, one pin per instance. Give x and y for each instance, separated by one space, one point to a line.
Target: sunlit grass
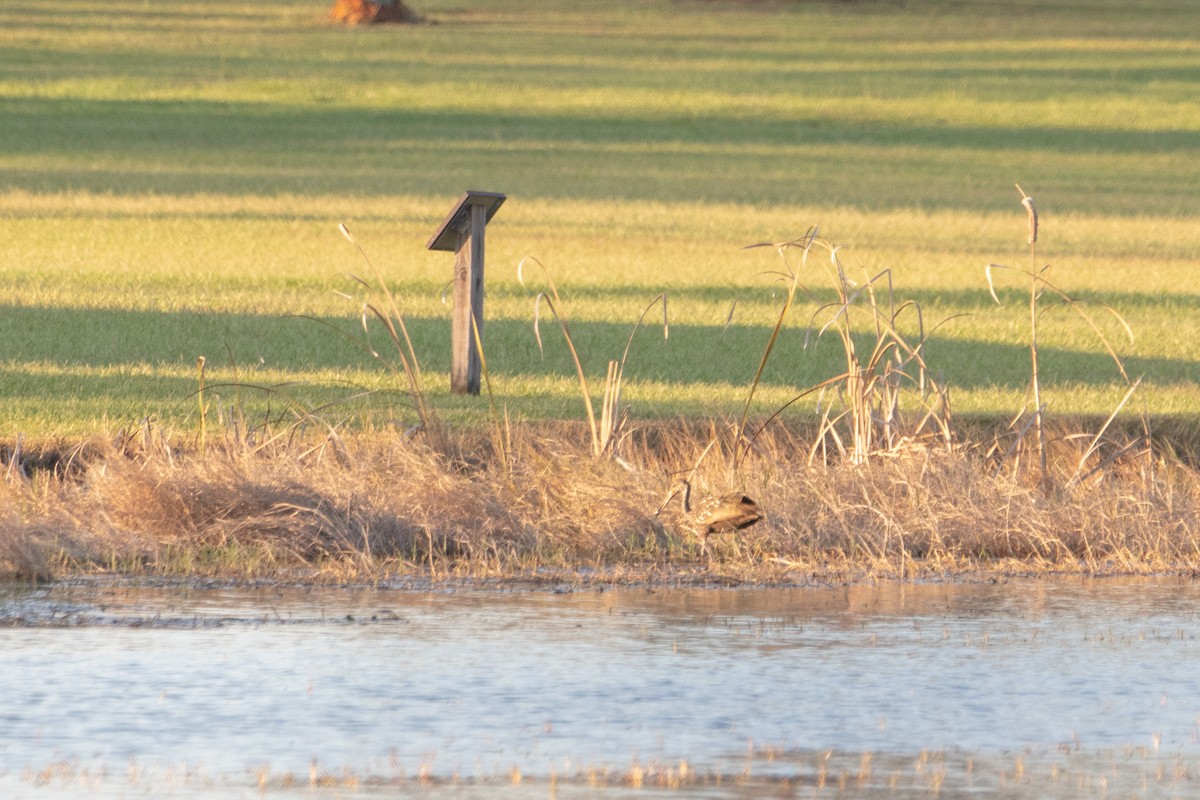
173 182
156 282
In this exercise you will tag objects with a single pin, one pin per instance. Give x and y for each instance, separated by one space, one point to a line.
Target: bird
719 514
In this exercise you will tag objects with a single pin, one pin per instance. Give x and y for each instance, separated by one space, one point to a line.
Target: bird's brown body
719 514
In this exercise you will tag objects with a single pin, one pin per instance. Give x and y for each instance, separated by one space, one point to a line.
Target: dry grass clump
930 512
367 507
384 506
582 507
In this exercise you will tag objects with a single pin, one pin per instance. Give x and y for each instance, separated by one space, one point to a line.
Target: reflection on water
894 690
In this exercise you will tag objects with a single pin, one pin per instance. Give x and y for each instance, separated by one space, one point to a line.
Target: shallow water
1074 687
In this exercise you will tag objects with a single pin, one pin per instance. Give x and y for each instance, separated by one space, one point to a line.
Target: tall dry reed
1039 285
887 397
607 432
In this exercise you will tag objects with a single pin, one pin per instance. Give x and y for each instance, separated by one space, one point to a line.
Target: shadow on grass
195 146
122 357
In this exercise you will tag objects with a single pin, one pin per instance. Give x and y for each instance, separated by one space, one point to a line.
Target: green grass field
172 176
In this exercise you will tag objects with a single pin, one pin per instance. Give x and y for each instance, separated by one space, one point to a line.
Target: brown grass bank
535 503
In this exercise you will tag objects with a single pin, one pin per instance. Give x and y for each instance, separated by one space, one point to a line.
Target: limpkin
719 514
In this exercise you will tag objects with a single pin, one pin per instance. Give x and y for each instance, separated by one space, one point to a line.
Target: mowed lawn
172 176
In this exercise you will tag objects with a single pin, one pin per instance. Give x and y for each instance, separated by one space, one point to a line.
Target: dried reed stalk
872 392
607 432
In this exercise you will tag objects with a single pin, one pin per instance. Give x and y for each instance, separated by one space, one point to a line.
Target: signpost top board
458 221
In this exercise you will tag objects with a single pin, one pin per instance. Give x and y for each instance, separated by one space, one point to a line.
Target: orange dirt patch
367 12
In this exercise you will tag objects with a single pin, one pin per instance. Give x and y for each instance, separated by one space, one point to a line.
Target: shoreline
569 582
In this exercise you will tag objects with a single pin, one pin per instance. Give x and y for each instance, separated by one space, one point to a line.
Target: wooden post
462 231
468 301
